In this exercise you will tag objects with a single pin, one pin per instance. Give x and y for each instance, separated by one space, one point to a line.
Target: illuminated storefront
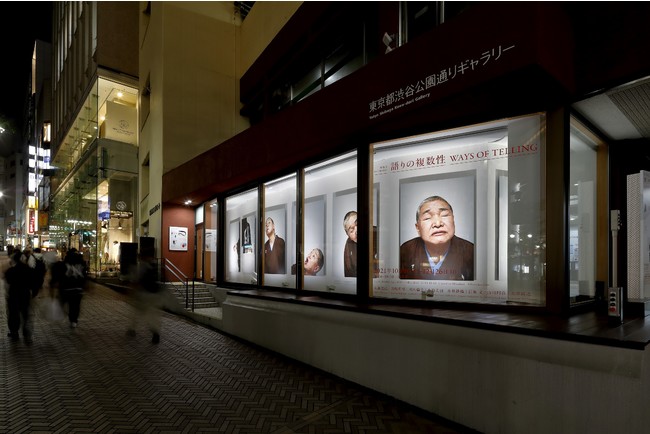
95 186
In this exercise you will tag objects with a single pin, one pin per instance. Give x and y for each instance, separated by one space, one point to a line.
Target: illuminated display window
329 226
279 225
241 237
460 214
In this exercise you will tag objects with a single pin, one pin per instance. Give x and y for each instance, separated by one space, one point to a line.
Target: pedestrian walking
147 298
36 277
20 292
69 276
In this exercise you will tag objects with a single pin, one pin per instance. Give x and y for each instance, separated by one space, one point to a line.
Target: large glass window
95 184
279 225
241 237
329 250
583 201
460 214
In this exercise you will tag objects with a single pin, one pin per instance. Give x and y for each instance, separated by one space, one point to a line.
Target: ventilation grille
634 102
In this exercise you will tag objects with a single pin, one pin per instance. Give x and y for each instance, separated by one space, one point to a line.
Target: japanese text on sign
416 91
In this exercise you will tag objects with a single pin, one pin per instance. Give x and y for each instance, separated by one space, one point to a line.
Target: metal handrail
175 271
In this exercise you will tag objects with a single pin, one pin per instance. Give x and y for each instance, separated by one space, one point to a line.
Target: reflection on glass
582 213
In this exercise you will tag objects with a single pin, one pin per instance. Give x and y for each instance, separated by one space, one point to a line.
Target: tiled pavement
95 379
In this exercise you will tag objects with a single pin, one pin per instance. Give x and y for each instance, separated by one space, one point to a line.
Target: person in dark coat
69 276
437 253
19 295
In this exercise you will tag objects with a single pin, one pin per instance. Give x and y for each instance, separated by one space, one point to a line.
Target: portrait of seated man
314 262
436 253
274 250
350 248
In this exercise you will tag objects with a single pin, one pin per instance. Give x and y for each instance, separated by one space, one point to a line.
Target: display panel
279 236
241 256
460 214
330 196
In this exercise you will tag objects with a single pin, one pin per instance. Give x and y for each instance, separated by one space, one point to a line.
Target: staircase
203 298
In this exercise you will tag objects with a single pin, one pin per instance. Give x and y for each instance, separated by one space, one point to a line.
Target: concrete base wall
490 381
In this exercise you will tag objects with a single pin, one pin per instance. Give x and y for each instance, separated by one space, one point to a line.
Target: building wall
191 52
198 60
179 216
259 28
150 121
187 56
73 62
115 49
489 381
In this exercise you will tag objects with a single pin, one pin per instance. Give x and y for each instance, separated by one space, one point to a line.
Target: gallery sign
424 87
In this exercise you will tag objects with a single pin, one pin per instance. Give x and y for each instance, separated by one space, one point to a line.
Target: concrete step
203 298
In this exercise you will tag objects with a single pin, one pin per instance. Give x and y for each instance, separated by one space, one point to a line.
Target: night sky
21 23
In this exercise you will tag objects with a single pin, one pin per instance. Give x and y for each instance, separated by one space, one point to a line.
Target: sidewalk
97 379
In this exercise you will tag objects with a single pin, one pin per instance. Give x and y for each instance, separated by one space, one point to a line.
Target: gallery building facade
354 138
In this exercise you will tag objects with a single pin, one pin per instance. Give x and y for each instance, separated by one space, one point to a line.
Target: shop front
95 187
435 226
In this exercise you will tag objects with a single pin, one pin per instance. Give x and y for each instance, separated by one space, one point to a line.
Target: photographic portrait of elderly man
350 249
436 253
313 263
274 250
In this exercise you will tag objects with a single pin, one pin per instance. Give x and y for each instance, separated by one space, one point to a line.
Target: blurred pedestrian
19 296
69 276
147 298
34 260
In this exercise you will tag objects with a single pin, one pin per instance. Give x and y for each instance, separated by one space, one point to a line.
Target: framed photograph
241 236
344 233
248 229
438 226
177 238
275 252
233 249
315 234
210 240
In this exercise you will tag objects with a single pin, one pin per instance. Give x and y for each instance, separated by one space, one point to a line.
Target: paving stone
97 379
